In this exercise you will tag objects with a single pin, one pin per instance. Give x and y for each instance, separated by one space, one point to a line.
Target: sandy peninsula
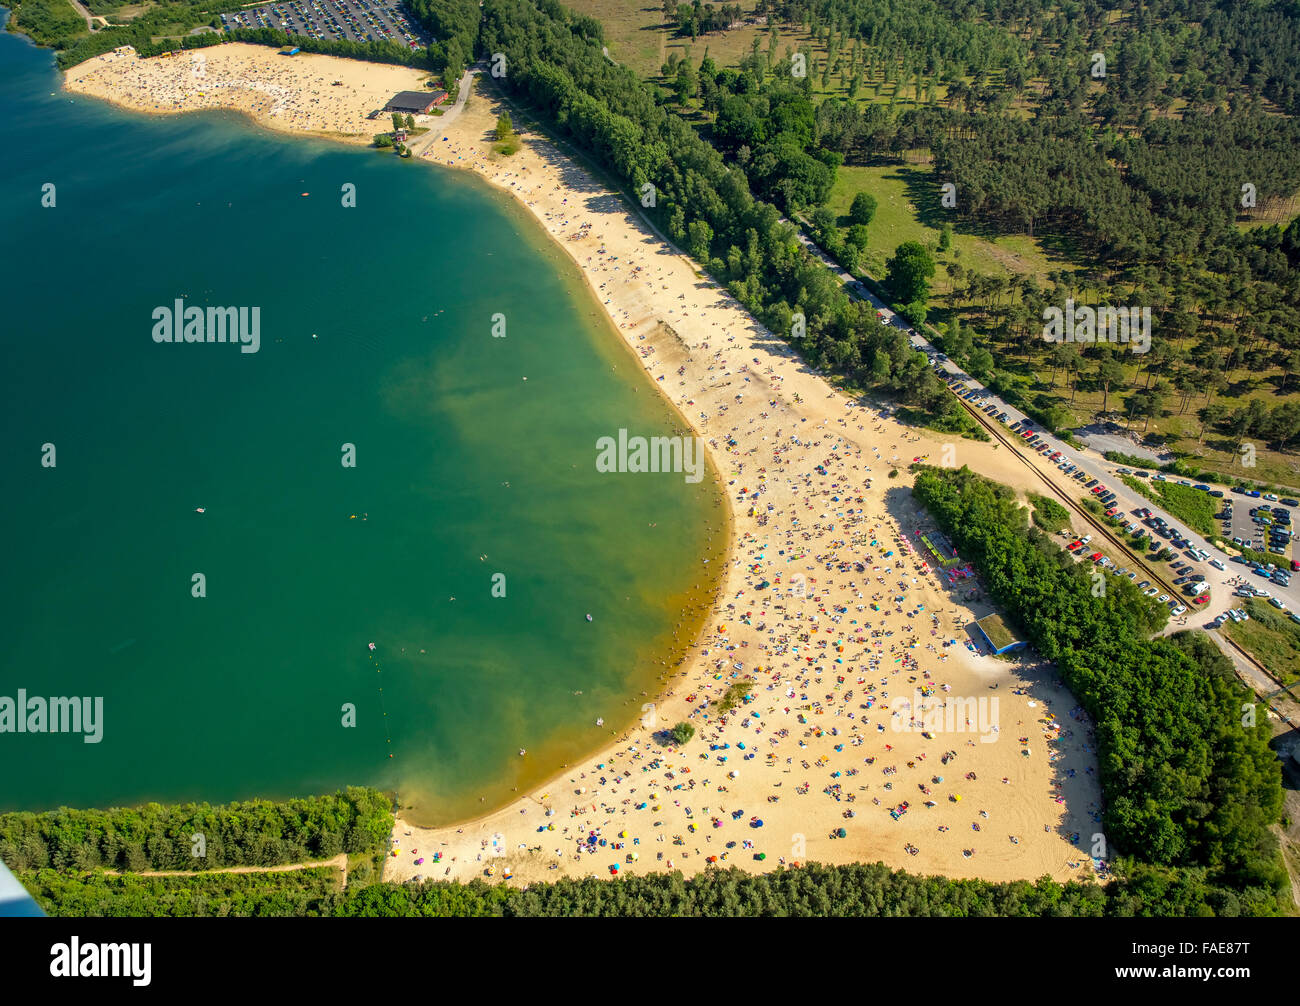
295 94
849 638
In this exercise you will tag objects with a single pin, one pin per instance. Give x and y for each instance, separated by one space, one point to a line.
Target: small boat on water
589 616
199 509
372 647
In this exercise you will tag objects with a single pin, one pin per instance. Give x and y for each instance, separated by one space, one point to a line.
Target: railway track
1073 504
1119 546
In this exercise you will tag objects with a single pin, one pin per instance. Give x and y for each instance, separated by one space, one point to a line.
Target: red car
1201 599
1094 557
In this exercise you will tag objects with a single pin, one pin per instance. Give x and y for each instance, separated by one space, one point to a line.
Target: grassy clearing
1191 506
1271 637
908 210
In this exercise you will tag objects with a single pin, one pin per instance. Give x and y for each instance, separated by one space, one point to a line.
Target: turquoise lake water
375 331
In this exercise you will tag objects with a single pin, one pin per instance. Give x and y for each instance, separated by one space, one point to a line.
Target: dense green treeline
853 890
163 837
1169 192
290 893
453 25
1188 783
554 62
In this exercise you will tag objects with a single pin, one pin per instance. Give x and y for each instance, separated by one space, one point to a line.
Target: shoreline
778 437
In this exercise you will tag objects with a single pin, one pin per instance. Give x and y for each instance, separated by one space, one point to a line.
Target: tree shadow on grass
924 192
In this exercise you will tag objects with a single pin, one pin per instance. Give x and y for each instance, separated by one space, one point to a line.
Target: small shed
997 634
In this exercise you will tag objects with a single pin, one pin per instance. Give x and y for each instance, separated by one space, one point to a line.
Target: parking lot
350 20
1252 530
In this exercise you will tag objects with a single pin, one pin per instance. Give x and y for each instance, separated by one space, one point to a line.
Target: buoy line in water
383 707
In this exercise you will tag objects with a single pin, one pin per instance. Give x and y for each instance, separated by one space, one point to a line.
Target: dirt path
340 862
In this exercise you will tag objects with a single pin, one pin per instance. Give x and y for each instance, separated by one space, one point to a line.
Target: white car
1180 610
1217 564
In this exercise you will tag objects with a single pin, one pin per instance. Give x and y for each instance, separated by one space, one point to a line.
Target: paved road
421 146
1222 583
89 17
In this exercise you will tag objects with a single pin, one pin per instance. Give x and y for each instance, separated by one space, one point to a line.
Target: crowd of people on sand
828 618
827 610
309 93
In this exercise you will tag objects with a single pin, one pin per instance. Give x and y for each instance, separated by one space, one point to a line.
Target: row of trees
849 891
1187 773
695 19
289 893
197 836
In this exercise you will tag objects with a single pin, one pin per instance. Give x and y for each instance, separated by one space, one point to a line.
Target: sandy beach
294 94
827 607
